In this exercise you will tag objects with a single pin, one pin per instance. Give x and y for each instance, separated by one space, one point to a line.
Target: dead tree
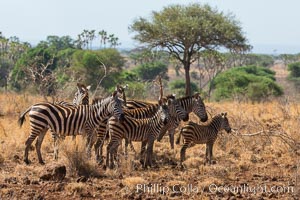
42 76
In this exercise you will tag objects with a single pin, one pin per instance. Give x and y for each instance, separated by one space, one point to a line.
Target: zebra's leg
126 148
89 142
208 152
171 137
182 152
113 153
55 145
108 153
143 150
128 142
211 153
149 154
28 143
101 135
38 146
132 148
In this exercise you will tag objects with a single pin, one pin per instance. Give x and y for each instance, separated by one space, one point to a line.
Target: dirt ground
259 160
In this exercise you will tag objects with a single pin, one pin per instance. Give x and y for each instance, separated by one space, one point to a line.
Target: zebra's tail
22 117
179 136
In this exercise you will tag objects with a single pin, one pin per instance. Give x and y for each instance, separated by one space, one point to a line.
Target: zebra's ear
169 101
162 101
196 95
224 114
114 94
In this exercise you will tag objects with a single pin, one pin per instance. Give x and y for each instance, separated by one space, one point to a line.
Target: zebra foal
68 120
203 134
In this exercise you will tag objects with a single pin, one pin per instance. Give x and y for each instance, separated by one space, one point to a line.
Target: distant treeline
54 65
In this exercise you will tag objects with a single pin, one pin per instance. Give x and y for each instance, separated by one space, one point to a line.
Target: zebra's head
225 123
116 106
175 109
82 95
163 111
199 107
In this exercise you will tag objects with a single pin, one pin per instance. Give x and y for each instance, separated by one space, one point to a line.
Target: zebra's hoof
142 162
111 166
42 162
100 161
26 161
181 166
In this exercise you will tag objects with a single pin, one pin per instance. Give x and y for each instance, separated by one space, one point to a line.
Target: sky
271 26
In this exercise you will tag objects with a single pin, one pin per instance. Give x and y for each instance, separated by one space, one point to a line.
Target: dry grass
255 155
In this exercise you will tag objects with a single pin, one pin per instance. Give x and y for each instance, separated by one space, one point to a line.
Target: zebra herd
116 118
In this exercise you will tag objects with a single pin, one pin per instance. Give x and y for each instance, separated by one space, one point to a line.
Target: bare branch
100 81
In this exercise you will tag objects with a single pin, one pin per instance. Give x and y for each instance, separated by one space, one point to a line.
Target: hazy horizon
270 26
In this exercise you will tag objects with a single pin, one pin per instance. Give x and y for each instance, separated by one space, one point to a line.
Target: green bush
149 71
252 82
178 87
294 69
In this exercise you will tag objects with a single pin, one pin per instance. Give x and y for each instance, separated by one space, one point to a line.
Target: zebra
145 130
190 104
140 113
194 133
81 97
69 120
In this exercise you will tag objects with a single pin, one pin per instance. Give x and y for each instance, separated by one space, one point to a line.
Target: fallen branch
286 139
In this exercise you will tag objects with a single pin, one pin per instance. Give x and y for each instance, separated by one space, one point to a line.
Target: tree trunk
187 79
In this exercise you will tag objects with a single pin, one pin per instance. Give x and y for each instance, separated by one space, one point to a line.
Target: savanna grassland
259 160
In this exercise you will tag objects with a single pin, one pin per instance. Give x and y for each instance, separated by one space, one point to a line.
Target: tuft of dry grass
76 187
132 182
78 162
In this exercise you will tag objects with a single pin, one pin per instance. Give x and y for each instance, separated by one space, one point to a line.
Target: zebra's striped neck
102 107
216 123
186 103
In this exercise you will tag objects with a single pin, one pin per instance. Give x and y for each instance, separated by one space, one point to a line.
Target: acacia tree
184 31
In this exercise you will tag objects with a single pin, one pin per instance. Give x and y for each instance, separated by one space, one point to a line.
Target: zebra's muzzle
186 118
121 118
165 121
204 119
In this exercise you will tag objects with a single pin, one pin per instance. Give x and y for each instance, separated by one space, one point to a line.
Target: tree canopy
183 31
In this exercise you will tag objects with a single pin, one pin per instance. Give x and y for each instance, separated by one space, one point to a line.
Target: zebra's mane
100 100
186 97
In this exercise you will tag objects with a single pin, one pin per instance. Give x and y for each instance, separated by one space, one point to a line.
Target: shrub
178 87
294 69
149 71
252 82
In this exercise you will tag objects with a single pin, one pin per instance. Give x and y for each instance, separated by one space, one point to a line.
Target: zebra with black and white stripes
69 120
144 130
194 133
190 104
81 97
